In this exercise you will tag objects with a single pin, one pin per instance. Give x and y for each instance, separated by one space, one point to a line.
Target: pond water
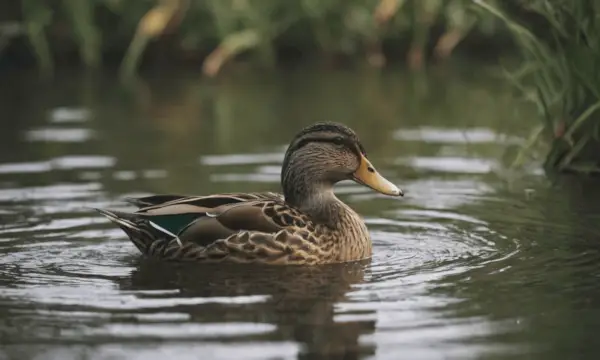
476 261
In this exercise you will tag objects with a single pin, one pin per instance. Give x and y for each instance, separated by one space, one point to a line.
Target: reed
561 75
37 15
220 30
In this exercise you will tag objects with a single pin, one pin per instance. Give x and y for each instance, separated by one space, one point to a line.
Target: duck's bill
367 175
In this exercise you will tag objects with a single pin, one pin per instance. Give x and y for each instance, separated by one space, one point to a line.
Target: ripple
242 159
154 173
125 175
69 115
83 162
455 136
454 339
439 193
184 350
58 191
436 216
259 178
451 164
25 168
59 224
59 134
178 330
413 254
60 163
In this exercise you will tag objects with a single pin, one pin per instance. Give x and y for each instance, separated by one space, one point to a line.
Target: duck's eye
338 140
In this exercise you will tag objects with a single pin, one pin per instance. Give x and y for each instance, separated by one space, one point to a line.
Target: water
476 261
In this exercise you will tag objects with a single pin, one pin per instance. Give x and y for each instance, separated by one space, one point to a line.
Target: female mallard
307 225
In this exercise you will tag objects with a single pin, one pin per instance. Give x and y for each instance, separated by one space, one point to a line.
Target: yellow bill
368 176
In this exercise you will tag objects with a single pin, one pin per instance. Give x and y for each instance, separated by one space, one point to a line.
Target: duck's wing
244 231
193 221
256 231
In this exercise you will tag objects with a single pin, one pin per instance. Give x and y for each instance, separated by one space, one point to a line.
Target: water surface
476 261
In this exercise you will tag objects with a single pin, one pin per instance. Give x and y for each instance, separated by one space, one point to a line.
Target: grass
561 75
221 30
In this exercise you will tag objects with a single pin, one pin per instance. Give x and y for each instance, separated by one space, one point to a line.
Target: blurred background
546 49
484 112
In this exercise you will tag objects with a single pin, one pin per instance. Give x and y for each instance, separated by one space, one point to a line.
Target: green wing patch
173 223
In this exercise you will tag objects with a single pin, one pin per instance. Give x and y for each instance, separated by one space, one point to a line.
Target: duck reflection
300 300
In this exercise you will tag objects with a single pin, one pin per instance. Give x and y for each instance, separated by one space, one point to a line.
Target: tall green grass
561 75
217 31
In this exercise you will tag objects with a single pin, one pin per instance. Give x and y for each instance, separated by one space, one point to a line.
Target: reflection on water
472 263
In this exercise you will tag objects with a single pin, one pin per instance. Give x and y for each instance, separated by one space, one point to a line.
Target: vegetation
215 31
561 74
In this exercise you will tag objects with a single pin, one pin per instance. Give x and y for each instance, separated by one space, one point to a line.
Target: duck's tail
138 229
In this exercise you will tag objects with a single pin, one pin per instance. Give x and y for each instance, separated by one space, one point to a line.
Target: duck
305 224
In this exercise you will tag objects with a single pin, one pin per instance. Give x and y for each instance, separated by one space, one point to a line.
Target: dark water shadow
299 300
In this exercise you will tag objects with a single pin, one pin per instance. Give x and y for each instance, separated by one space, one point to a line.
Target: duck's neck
323 207
303 190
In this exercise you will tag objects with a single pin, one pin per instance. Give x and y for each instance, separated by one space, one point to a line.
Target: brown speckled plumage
308 224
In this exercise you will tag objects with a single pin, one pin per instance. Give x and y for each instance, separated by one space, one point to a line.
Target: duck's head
323 154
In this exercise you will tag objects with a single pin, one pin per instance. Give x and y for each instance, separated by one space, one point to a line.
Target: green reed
37 15
220 30
561 75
